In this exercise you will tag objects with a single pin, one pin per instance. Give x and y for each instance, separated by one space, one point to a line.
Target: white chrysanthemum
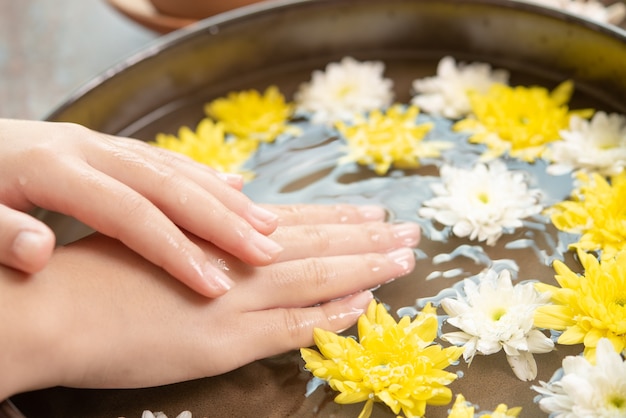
596 145
446 93
590 9
481 203
344 89
150 414
493 315
587 390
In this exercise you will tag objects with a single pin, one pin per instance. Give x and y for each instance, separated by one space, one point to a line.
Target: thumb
26 243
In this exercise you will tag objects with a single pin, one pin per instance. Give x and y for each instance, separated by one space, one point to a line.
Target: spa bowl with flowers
498 126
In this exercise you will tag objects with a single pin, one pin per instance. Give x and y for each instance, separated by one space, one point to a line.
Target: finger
215 216
147 162
328 214
182 163
280 330
326 278
116 210
26 244
328 240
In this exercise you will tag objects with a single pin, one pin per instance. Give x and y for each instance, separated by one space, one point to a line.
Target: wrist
31 327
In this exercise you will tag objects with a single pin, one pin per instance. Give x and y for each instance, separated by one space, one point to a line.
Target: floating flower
446 94
344 89
599 145
597 212
208 145
463 409
250 115
481 203
590 9
519 121
394 363
389 138
585 389
150 414
493 315
587 307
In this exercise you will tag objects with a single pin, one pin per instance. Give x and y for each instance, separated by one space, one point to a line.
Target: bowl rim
250 12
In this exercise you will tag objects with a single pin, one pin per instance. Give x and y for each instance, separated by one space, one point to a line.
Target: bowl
282 42
193 9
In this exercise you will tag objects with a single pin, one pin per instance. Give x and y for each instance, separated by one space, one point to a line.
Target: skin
101 316
129 190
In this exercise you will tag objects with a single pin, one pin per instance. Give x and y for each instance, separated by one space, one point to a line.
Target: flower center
483 197
498 313
345 90
617 401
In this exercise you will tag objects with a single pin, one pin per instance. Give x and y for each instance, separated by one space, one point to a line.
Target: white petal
454 307
538 342
523 365
456 338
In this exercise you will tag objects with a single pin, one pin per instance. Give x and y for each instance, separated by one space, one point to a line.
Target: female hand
129 190
100 316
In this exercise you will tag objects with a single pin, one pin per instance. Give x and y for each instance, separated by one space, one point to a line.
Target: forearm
49 318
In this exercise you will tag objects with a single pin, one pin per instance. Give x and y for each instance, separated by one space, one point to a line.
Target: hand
129 190
100 316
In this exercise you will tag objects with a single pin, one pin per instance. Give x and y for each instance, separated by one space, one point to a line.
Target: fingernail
407 233
404 257
27 243
361 300
216 278
263 215
268 247
372 213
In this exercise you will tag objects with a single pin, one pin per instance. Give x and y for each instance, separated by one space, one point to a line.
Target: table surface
50 48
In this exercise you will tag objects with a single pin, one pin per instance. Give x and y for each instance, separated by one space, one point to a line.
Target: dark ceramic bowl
280 43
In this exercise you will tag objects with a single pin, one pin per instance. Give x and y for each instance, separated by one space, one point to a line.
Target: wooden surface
49 48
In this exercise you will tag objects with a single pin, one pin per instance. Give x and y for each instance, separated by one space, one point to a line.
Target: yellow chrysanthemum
587 307
209 145
462 409
248 114
597 210
519 120
394 363
386 138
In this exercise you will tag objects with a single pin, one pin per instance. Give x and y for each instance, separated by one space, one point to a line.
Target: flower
462 409
590 9
518 120
483 202
446 94
493 315
587 307
391 137
209 145
597 211
394 363
250 115
150 414
585 389
345 89
599 145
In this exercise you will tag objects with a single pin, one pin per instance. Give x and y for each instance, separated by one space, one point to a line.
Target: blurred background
50 48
